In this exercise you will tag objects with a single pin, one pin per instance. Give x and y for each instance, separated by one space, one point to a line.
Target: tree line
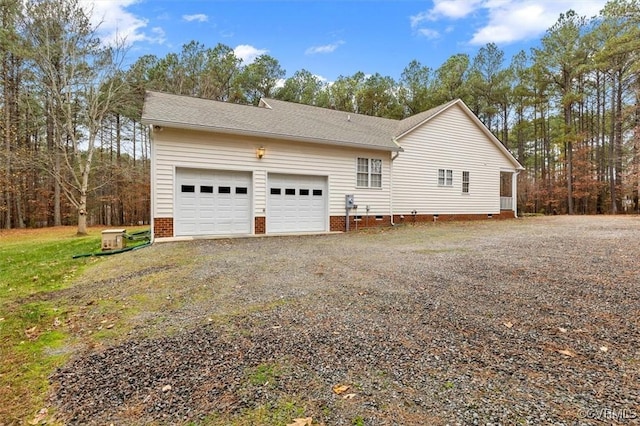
73 149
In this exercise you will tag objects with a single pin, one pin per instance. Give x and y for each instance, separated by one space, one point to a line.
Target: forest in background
73 150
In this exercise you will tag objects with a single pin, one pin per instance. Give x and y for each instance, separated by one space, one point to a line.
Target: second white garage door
296 203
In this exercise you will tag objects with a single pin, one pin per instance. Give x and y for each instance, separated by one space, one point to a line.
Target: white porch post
514 192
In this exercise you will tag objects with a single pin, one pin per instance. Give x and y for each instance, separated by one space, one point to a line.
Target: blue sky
330 38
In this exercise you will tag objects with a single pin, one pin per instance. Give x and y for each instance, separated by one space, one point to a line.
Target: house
220 168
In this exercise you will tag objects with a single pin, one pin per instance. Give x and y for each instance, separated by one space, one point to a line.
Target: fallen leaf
166 388
562 329
110 325
567 352
604 348
508 324
348 396
42 415
306 421
340 389
104 321
31 332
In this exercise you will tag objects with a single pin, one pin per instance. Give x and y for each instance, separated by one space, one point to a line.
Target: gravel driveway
530 321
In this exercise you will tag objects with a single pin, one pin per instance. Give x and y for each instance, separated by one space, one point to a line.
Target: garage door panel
213 202
292 205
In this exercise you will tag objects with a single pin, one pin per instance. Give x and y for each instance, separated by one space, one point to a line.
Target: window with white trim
445 177
369 173
465 182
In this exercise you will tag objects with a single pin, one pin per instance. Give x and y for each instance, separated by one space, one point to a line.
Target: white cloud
327 48
248 53
199 17
511 21
503 21
158 36
429 33
532 19
115 24
454 9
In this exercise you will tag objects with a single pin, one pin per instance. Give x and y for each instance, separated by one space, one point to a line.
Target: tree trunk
612 136
57 193
82 216
569 134
618 140
8 199
53 146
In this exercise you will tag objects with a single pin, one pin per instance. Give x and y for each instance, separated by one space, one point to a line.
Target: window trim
466 183
445 178
368 172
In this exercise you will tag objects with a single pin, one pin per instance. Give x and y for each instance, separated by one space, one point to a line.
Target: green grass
264 374
280 413
33 265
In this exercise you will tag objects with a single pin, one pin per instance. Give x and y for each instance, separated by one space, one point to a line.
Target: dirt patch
514 322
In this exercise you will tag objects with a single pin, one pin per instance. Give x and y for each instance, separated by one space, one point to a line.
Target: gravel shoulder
530 321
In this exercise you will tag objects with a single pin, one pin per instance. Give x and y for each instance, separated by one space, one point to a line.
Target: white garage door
212 202
296 203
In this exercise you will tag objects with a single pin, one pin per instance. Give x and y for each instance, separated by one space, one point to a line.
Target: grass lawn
34 263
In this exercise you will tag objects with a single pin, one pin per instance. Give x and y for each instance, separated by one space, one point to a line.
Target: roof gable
412 123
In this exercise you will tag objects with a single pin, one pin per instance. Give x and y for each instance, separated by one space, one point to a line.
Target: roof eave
268 135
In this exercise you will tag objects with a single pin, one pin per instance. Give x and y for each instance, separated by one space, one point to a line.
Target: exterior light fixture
260 152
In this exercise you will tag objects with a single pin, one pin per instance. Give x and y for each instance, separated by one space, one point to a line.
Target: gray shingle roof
291 121
275 119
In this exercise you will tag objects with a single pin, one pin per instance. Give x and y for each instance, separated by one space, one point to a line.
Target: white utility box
113 239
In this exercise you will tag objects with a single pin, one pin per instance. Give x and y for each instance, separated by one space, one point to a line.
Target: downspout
393 157
152 178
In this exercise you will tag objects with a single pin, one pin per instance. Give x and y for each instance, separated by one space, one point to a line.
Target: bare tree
77 72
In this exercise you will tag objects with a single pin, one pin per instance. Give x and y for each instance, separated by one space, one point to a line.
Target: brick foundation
409 218
163 227
260 225
337 223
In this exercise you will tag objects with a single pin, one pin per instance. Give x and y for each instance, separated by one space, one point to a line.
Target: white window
445 177
465 182
369 173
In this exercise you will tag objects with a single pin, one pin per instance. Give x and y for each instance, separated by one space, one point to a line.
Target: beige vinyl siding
450 141
181 148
